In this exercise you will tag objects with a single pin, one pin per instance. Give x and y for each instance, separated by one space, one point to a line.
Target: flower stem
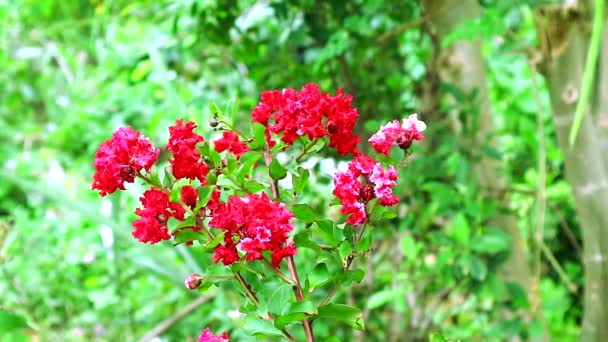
291 265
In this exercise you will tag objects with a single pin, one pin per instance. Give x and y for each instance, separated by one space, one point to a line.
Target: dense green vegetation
499 216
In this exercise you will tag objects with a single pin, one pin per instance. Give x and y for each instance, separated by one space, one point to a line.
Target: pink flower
193 281
186 162
354 193
308 113
157 209
207 336
400 134
258 223
119 159
230 142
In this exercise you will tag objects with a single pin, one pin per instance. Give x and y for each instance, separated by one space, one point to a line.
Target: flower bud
193 281
214 122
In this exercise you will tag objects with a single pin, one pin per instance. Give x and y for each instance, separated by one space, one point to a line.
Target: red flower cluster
353 195
258 224
207 336
400 134
309 113
230 142
152 226
119 159
186 160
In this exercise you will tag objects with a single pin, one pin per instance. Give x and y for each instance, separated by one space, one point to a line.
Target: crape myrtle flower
308 113
230 142
151 227
396 133
252 224
207 336
193 281
364 180
119 160
186 161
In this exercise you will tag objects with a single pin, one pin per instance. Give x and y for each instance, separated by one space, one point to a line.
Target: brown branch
169 322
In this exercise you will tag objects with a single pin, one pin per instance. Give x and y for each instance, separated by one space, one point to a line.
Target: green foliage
75 71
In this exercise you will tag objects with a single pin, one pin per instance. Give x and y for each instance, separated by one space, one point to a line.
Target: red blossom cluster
186 162
230 142
354 194
121 158
308 113
253 224
396 133
157 209
207 336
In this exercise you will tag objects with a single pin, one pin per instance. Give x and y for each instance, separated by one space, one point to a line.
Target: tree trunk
463 65
564 33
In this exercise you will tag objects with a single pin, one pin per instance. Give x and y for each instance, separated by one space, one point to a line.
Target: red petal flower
186 162
230 142
395 133
207 336
152 226
119 159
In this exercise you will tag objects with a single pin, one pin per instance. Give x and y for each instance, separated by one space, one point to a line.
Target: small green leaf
300 180
492 241
204 196
175 195
210 245
10 321
215 110
247 161
302 240
343 313
259 139
436 337
366 241
226 182
277 171
256 326
325 229
295 312
186 235
254 187
408 246
460 229
378 299
279 297
345 249
478 267
304 212
174 224
319 276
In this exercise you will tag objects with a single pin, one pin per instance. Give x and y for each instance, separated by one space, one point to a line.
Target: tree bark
564 33
462 64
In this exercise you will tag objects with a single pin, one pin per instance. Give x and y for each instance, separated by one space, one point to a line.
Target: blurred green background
71 72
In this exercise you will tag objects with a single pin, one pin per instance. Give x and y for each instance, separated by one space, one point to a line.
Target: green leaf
409 248
345 249
175 195
343 313
319 276
204 196
186 235
10 321
378 299
492 241
325 229
366 241
174 224
254 187
302 240
225 182
215 110
300 180
304 212
247 161
277 171
210 245
478 267
460 229
279 298
295 312
436 337
257 131
256 326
